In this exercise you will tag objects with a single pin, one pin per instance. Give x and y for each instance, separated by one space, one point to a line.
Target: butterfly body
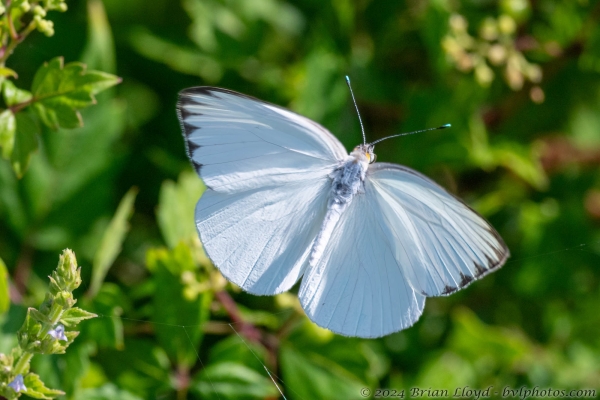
285 201
346 182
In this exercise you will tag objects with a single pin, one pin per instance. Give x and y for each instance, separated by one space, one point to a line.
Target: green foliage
57 93
517 79
172 308
110 245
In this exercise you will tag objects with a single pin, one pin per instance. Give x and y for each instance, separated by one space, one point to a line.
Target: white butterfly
284 200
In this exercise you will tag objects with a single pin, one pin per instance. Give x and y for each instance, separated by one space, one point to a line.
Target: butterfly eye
372 158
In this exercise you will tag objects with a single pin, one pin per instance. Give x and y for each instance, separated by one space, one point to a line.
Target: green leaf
107 330
229 380
99 50
37 389
105 392
172 309
26 142
328 380
176 207
111 243
59 91
59 115
4 289
8 127
74 316
13 95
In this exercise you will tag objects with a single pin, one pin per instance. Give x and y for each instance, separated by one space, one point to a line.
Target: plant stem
246 328
15 41
11 26
21 365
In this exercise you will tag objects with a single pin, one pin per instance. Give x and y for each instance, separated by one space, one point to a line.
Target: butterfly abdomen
347 181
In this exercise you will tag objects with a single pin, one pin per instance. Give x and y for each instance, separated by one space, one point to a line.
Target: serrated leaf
8 127
60 90
74 316
13 95
26 142
37 389
4 290
113 238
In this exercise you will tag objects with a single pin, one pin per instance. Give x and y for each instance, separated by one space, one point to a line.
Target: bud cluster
38 9
495 46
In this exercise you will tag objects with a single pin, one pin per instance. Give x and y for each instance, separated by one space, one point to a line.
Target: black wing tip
449 290
465 280
192 147
197 165
480 272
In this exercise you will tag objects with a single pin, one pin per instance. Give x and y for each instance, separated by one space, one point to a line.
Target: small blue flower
58 332
17 384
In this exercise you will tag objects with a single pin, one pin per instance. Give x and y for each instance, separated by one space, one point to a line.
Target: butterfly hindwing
440 242
357 287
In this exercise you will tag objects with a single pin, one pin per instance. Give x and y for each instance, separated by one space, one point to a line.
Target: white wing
260 239
237 142
441 244
357 288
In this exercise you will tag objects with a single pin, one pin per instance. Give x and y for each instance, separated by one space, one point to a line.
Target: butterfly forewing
266 169
238 143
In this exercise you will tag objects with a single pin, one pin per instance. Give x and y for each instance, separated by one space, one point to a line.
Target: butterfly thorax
346 181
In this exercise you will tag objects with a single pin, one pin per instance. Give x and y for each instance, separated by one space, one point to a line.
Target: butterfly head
364 153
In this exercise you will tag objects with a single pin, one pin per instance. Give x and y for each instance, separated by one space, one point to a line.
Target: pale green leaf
13 95
99 51
176 207
8 127
4 288
111 243
26 142
37 389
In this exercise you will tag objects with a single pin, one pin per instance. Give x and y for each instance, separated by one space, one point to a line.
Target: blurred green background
519 80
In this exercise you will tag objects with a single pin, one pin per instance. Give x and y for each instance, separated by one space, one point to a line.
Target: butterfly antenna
362 128
411 133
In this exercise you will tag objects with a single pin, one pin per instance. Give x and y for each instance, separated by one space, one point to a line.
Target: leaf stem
14 42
